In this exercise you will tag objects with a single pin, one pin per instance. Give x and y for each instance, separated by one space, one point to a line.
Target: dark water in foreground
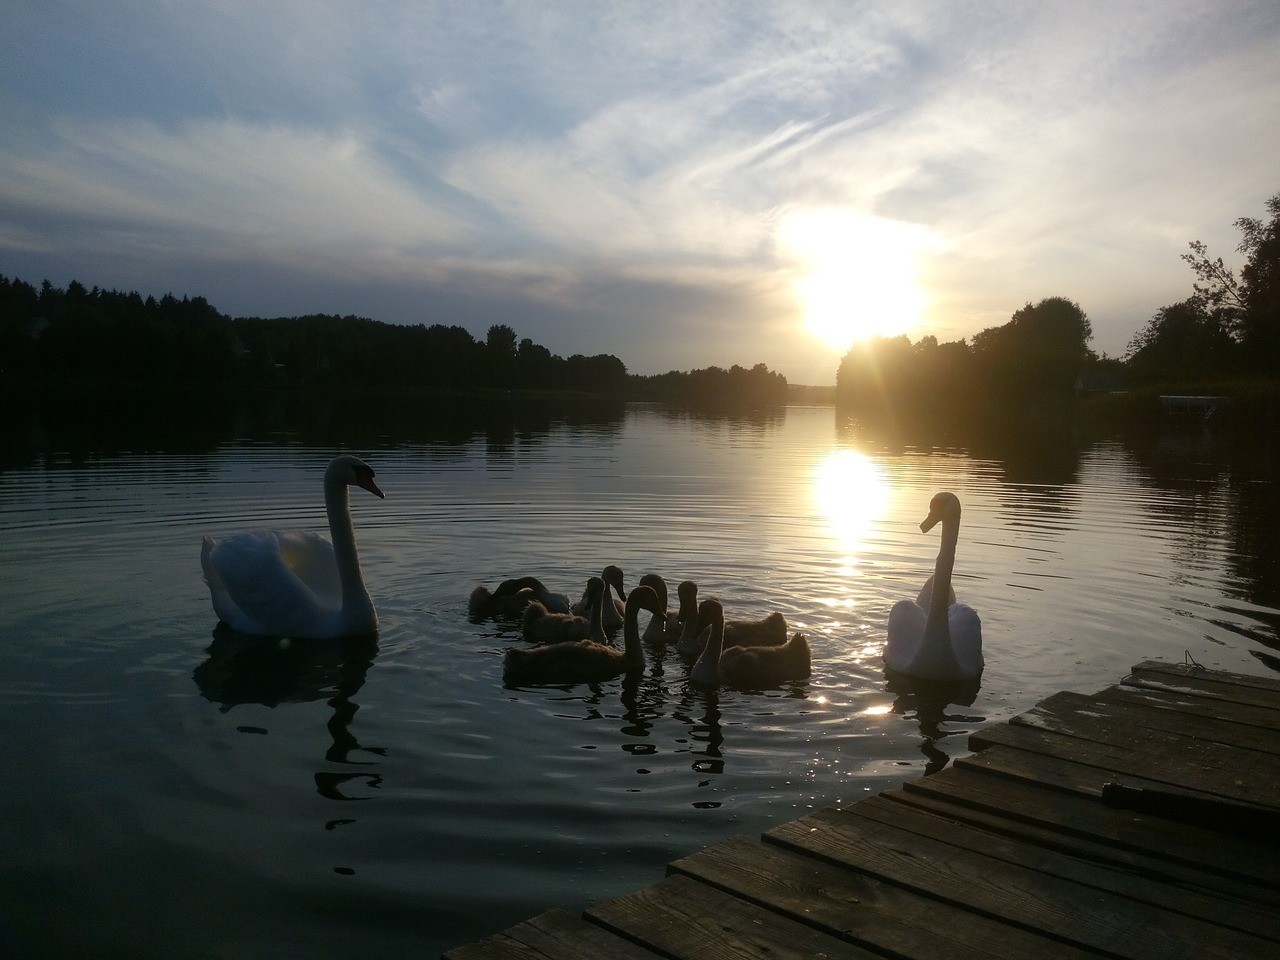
168 792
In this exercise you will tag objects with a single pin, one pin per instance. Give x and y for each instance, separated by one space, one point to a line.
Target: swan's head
646 598
687 592
655 582
595 590
613 576
943 507
352 472
710 611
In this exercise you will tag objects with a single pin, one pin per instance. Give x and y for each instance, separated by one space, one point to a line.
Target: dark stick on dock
1140 821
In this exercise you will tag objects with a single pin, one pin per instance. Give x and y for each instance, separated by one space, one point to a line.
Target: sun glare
858 274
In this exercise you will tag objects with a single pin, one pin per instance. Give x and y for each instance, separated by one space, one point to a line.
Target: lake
168 792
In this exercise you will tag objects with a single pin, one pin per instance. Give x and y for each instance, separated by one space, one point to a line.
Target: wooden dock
1013 852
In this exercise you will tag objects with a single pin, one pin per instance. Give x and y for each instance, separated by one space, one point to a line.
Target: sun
858 275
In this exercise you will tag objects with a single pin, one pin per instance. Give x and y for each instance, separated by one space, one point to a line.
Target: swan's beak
930 521
368 484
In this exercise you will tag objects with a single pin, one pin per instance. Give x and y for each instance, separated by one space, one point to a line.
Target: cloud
632 165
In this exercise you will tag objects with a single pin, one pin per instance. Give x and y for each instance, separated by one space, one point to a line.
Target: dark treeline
54 337
1030 362
735 386
1223 339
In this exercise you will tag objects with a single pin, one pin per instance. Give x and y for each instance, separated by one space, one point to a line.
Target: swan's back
766 666
273 582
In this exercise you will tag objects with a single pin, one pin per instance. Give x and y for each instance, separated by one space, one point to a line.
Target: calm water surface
171 793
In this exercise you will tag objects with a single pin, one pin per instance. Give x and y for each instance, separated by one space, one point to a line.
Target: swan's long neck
596 615
689 615
936 627
355 596
707 669
632 651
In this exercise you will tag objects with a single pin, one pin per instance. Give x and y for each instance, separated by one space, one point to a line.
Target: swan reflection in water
270 671
929 700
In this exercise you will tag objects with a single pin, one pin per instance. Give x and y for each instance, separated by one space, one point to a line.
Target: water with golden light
172 793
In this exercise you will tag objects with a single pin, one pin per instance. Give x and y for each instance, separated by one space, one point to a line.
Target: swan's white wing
311 559
256 579
907 620
966 637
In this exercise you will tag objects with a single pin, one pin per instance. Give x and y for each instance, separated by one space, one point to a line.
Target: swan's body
941 640
584 661
768 631
751 668
542 626
512 596
295 583
614 608
662 627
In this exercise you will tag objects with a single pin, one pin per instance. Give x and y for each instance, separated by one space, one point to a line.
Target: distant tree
875 376
535 365
500 355
1038 353
715 387
1260 289
1249 308
1216 288
19 320
1184 342
501 340
602 373
893 377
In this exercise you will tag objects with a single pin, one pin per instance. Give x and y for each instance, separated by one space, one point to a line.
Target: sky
679 184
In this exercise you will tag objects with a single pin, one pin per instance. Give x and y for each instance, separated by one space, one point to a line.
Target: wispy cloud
623 171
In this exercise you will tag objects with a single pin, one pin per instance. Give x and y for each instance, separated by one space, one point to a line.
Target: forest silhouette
1223 339
52 337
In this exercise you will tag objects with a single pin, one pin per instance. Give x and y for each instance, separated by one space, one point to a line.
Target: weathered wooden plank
860 908
1073 912
1141 844
1224 677
554 935
1123 716
1219 685
1068 864
1050 772
682 918
1243 776
1198 709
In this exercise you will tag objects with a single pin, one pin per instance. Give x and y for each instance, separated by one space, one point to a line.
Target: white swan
295 583
944 640
749 668
584 661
